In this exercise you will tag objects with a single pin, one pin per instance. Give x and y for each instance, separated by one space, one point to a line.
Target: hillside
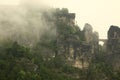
49 45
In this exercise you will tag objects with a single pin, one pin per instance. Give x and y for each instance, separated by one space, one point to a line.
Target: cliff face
72 43
91 38
67 33
113 44
113 47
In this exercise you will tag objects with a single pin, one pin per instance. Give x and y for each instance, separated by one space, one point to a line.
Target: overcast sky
99 13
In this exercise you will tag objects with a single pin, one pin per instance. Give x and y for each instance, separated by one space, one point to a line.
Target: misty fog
25 23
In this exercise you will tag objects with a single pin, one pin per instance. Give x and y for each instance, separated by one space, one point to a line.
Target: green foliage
21 63
99 69
17 51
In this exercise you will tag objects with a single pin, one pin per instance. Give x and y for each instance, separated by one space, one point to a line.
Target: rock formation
91 38
113 47
113 44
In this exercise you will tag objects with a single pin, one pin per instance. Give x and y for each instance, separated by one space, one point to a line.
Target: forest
49 45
